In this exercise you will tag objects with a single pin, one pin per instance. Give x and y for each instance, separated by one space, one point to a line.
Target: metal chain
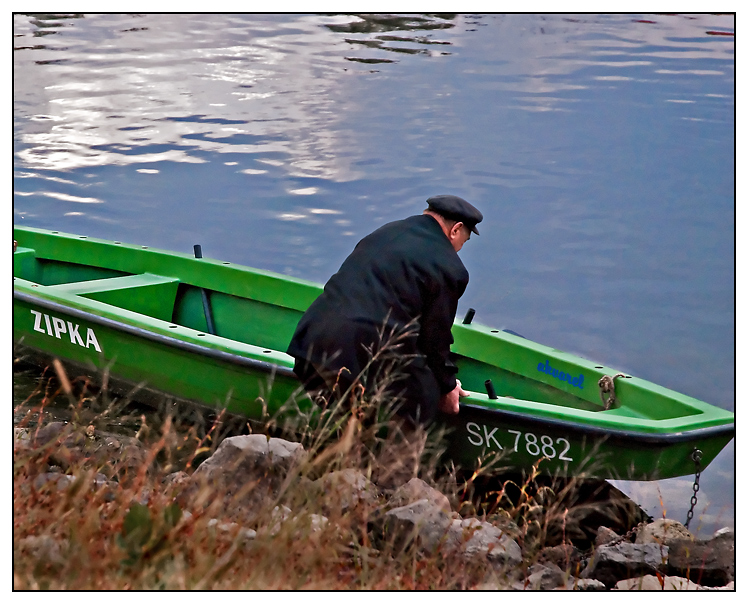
606 384
697 457
629 535
625 538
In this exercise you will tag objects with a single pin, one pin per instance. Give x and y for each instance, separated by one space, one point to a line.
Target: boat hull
153 365
503 440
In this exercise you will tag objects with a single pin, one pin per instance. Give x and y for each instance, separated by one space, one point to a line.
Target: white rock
650 582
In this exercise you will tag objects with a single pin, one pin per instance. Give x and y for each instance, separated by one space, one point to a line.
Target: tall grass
113 523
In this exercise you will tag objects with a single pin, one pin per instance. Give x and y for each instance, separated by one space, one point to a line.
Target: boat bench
145 293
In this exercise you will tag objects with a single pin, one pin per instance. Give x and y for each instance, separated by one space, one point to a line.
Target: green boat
214 333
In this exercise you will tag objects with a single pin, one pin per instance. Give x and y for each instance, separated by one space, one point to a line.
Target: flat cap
457 209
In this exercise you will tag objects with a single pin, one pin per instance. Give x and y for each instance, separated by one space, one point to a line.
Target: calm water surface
600 149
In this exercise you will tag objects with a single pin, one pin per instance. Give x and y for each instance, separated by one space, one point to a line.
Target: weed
108 513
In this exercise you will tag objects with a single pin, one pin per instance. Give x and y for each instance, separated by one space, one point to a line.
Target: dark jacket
405 271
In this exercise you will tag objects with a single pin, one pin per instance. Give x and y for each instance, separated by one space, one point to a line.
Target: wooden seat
145 293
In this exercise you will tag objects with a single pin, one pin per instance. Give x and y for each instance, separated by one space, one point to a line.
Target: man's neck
441 221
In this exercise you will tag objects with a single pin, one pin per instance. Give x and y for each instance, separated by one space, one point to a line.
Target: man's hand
450 402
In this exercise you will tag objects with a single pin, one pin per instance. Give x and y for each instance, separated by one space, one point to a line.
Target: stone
650 582
725 532
341 491
479 539
130 461
612 563
663 531
173 483
60 481
494 584
708 562
586 585
505 525
566 556
317 523
422 522
44 549
143 496
604 535
302 526
21 436
545 577
731 586
107 489
233 529
243 474
48 433
278 517
417 489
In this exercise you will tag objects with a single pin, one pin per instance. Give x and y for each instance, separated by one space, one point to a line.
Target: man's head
456 216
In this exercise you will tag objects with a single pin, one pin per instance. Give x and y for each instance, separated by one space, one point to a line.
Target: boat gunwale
646 438
200 270
580 364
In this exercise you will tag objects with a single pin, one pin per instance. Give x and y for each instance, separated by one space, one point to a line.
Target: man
399 288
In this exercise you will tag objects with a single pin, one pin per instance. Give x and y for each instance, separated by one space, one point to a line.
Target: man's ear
456 228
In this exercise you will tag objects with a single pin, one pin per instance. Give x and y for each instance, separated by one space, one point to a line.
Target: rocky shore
255 489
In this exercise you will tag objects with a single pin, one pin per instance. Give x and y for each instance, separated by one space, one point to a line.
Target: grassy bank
96 510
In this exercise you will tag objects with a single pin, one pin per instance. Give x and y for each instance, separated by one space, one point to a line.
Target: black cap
457 209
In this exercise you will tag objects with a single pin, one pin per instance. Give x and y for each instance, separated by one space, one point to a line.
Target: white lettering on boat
57 327
91 340
74 336
38 322
487 437
543 446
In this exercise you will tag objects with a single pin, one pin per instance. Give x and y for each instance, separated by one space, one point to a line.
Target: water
600 149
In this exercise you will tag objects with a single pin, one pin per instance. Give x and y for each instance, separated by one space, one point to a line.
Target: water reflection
131 106
135 107
367 24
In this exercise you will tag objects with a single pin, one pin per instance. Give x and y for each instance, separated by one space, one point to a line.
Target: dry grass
78 534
